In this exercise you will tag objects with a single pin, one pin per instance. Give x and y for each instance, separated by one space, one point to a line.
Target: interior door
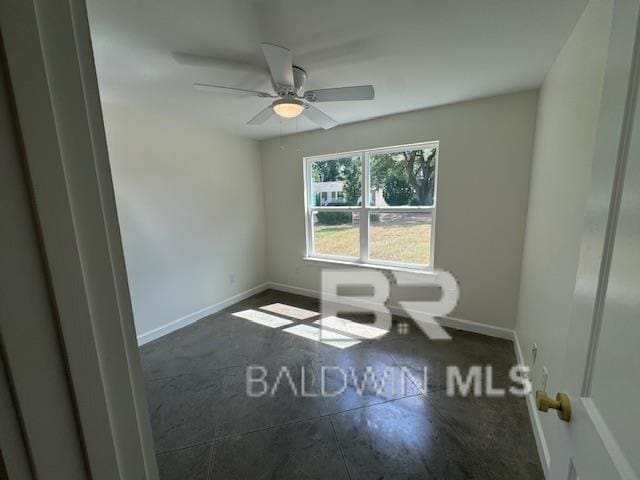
601 441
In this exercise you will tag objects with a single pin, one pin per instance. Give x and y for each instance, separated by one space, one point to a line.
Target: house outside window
394 226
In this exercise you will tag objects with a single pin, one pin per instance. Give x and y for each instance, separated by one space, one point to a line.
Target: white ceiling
416 53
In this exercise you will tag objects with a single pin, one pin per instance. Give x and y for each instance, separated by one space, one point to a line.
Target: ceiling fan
288 82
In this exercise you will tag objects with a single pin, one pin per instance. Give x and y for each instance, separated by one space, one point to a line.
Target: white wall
485 155
567 117
190 205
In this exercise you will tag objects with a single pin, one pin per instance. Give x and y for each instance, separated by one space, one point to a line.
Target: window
394 225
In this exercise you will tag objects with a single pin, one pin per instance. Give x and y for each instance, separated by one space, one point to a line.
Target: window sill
374 266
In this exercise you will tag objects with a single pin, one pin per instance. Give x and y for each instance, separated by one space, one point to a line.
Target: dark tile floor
207 425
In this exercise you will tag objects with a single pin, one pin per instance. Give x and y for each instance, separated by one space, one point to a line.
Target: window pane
336 182
403 178
400 237
336 233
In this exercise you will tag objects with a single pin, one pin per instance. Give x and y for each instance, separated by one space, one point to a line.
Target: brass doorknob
562 404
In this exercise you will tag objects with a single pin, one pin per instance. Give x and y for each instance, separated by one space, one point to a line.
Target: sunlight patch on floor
290 311
323 336
353 329
263 318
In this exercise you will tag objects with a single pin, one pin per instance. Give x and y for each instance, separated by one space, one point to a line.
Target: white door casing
88 416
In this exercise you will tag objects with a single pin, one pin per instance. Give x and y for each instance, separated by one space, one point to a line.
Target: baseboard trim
199 314
541 441
452 322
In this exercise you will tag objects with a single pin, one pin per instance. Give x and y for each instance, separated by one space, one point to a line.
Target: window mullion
364 214
308 226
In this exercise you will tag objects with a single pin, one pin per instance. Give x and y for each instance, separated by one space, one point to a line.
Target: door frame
50 65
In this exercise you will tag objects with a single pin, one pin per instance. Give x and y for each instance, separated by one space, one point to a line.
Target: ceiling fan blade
279 62
203 87
319 117
341 94
195 60
349 53
262 116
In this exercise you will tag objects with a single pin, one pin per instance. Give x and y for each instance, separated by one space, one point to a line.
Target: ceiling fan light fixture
288 107
288 82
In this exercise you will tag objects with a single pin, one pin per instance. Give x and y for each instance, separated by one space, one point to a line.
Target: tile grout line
184 447
185 374
329 416
294 422
211 460
426 391
459 435
313 372
319 417
339 445
395 363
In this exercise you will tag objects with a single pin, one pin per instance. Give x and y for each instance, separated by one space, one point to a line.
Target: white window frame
364 209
